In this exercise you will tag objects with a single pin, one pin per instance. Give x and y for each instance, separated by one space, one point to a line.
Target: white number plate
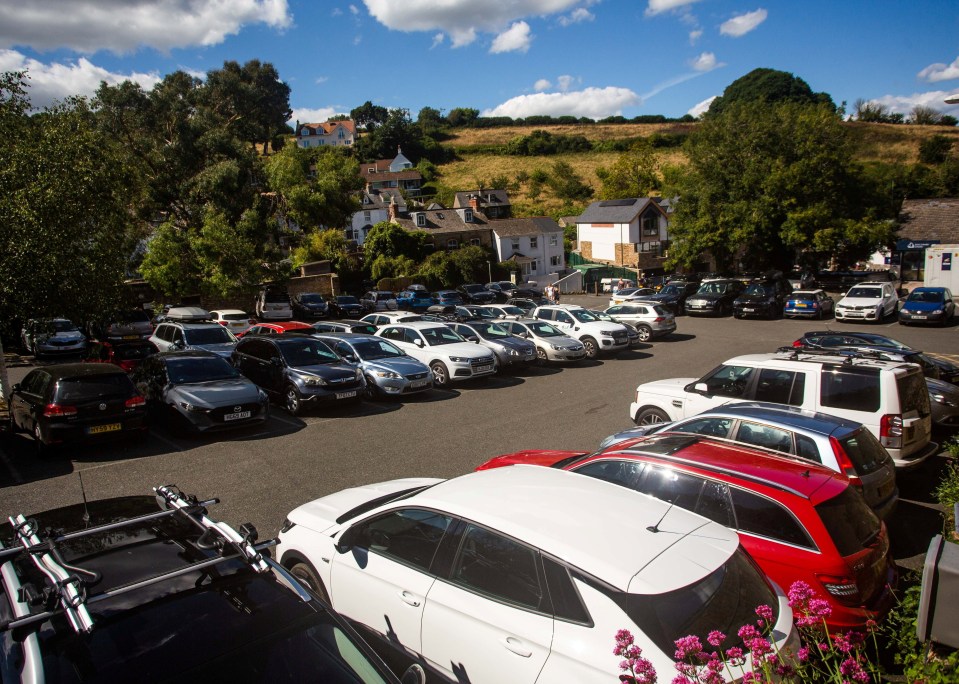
419 383
915 316
237 416
346 395
484 369
749 310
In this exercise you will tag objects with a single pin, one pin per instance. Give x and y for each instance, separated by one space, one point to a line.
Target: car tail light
134 402
659 319
845 464
127 365
223 323
59 411
797 343
843 589
890 431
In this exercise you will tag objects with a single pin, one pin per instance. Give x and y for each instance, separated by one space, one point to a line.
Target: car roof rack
67 590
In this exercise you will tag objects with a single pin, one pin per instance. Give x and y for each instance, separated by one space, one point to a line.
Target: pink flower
766 613
735 656
799 593
688 647
715 638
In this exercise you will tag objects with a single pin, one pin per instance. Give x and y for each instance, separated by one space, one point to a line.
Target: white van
273 304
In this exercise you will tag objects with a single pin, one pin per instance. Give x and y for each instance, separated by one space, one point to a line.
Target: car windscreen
713 288
544 330
420 295
211 335
865 292
583 315
511 310
849 521
864 450
660 310
439 336
346 299
931 296
913 393
311 299
671 290
375 350
60 325
90 387
195 369
757 289
724 600
490 331
276 297
307 352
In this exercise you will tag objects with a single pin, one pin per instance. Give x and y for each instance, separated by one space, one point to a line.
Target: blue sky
591 58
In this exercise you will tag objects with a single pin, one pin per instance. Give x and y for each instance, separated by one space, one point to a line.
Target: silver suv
888 397
581 323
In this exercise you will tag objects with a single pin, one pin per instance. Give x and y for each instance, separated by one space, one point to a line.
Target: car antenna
655 528
83 493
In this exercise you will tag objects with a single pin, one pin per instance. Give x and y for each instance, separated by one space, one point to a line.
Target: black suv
763 297
474 293
714 297
673 295
145 588
310 306
345 306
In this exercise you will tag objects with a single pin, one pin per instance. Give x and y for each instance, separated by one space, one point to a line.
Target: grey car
212 337
52 336
510 351
389 371
551 343
199 391
648 318
839 444
944 401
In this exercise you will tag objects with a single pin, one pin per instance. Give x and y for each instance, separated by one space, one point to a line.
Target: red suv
798 520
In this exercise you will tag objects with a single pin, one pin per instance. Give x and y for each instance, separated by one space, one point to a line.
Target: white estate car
888 397
448 355
524 574
578 322
868 302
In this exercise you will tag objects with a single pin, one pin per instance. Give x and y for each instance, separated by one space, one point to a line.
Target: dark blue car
927 305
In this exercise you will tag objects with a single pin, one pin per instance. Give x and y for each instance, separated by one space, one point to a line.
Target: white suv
582 324
868 302
888 397
448 355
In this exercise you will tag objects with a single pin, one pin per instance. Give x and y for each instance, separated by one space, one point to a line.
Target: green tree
633 174
568 185
314 187
462 116
391 267
470 263
369 116
770 86
765 182
392 240
922 115
396 131
934 150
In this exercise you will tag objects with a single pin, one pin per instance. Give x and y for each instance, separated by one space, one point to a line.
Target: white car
868 302
381 318
449 356
234 320
581 323
524 574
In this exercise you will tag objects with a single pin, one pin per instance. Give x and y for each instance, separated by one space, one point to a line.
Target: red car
275 328
127 354
798 520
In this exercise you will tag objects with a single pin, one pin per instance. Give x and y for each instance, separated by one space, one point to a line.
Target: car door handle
516 646
409 598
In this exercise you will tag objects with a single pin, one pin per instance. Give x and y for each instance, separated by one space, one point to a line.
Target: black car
75 402
673 295
714 297
298 369
149 588
308 306
345 326
762 298
501 289
527 304
345 306
474 293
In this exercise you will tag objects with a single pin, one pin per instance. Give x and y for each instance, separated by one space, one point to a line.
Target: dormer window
305 131
468 216
421 220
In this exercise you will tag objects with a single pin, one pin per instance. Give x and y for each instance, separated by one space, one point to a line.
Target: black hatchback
73 402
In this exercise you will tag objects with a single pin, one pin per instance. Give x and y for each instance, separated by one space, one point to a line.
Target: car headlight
513 352
940 398
936 312
606 333
187 406
459 359
314 381
358 374
387 374
263 396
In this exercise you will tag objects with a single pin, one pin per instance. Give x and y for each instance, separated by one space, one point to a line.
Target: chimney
474 202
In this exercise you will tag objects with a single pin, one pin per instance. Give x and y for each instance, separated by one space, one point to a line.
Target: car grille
343 382
417 376
620 337
483 361
218 413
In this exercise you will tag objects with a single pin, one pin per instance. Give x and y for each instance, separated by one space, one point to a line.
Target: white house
535 244
329 134
376 209
629 232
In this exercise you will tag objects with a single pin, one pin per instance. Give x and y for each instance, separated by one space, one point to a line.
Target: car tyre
651 416
306 574
441 374
292 400
592 349
541 357
42 449
371 392
645 333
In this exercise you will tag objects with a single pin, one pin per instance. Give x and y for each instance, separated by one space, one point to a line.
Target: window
806 448
555 261
553 240
729 381
675 487
534 243
531 268
515 244
393 333
421 219
766 518
410 536
652 247
451 243
366 216
710 427
625 473
475 242
650 224
468 215
567 604
780 386
849 390
765 436
498 567
714 503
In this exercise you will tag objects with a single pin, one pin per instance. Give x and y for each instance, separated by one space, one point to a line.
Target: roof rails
67 590
848 355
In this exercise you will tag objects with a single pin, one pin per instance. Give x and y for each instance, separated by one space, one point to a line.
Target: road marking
14 472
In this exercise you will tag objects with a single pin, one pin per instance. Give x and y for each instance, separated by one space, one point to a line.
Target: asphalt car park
262 472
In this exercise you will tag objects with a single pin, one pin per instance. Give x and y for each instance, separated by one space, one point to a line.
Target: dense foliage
769 86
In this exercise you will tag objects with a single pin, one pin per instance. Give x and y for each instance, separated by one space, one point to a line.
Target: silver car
51 336
839 444
551 343
650 319
389 371
509 350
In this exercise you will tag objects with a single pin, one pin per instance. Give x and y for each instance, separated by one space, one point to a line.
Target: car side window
564 317
765 518
410 336
343 349
626 473
392 333
711 427
806 448
776 386
499 567
567 603
729 381
765 436
714 503
409 536
851 391
675 487
177 336
165 333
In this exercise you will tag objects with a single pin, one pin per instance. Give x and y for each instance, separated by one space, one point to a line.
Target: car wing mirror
418 342
473 338
16 387
275 361
346 540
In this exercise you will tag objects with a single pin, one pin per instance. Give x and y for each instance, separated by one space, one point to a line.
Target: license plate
237 416
346 395
419 383
109 427
131 337
484 369
749 310
919 317
801 305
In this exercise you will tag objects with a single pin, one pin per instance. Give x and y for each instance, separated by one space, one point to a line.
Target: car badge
103 407
237 409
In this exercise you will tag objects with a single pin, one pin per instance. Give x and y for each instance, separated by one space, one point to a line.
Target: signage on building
947 261
903 245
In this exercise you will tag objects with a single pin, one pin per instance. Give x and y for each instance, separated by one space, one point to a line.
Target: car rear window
913 393
235 317
100 386
276 297
851 390
211 335
864 450
849 521
724 600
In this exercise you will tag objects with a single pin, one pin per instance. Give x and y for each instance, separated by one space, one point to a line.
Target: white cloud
122 26
337 12
701 108
565 82
743 24
705 62
595 103
541 85
305 115
577 16
321 79
695 36
51 82
517 38
438 40
462 20
903 104
659 6
354 10
940 72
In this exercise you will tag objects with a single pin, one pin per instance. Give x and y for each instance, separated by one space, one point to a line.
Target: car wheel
38 440
371 392
541 357
305 574
441 375
737 316
292 400
651 416
592 349
645 333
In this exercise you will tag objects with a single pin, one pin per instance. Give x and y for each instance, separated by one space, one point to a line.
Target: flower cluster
638 670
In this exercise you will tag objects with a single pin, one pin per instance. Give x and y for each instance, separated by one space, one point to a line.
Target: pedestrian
556 292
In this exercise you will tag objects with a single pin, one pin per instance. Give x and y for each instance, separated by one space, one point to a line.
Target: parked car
927 305
811 303
797 520
236 321
273 304
467 311
345 306
52 337
76 402
800 279
944 401
414 300
631 294
384 317
714 297
649 319
839 444
298 370
378 300
448 298
361 327
888 397
389 371
519 574
551 343
276 328
674 294
199 391
172 335
596 335
763 297
449 356
309 306
153 584
123 324
510 351
506 310
501 289
474 293
527 304
186 314
127 354
868 302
